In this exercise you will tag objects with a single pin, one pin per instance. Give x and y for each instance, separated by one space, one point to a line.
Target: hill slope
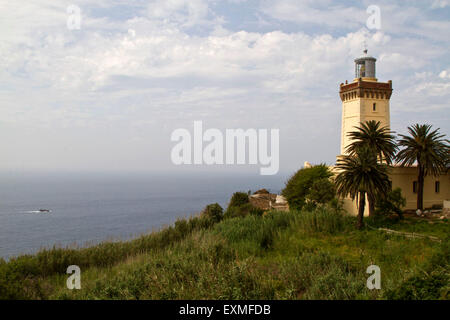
281 255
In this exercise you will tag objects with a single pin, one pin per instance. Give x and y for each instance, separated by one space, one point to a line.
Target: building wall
404 178
351 207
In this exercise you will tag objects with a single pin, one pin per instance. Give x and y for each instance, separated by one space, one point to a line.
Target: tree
361 174
392 203
380 141
428 149
298 186
322 191
213 211
240 206
238 199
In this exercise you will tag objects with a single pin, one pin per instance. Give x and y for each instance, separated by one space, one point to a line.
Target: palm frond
378 139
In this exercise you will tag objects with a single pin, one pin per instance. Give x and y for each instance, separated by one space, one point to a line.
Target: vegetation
381 143
240 206
214 212
428 149
298 187
238 199
22 274
321 192
380 140
281 255
311 252
392 203
361 174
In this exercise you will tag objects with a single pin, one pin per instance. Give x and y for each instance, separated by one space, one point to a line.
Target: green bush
240 206
238 199
322 191
242 211
391 204
337 205
299 185
423 287
213 211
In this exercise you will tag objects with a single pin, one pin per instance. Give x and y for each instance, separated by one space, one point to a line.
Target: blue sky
108 96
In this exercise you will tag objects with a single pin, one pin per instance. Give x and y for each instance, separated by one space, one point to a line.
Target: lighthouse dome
365 67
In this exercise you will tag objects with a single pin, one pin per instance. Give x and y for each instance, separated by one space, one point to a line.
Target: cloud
313 12
132 74
183 12
440 4
444 74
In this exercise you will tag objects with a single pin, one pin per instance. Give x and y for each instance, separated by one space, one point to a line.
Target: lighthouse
364 99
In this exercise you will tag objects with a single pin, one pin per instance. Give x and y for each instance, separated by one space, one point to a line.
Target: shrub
422 287
213 211
337 205
322 191
240 206
238 199
391 204
242 211
299 185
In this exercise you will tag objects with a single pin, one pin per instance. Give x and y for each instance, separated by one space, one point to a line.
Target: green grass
281 255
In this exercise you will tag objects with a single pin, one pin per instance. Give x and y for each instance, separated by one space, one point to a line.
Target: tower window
415 186
437 186
374 107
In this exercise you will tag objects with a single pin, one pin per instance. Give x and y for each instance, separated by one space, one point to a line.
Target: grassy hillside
281 255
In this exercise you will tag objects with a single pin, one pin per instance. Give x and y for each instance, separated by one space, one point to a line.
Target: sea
89 208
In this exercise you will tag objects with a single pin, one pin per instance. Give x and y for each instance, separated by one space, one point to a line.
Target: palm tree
361 174
428 149
379 140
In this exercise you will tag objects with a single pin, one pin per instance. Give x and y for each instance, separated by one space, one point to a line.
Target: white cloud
444 74
313 12
440 4
183 12
136 79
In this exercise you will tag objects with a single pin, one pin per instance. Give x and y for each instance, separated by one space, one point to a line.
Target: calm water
87 209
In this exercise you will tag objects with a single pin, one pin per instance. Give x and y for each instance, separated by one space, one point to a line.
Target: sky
106 96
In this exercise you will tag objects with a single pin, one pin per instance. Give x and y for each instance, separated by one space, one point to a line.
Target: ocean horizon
89 208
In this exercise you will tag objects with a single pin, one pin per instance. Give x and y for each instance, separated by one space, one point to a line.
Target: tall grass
15 275
280 255
254 234
322 220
